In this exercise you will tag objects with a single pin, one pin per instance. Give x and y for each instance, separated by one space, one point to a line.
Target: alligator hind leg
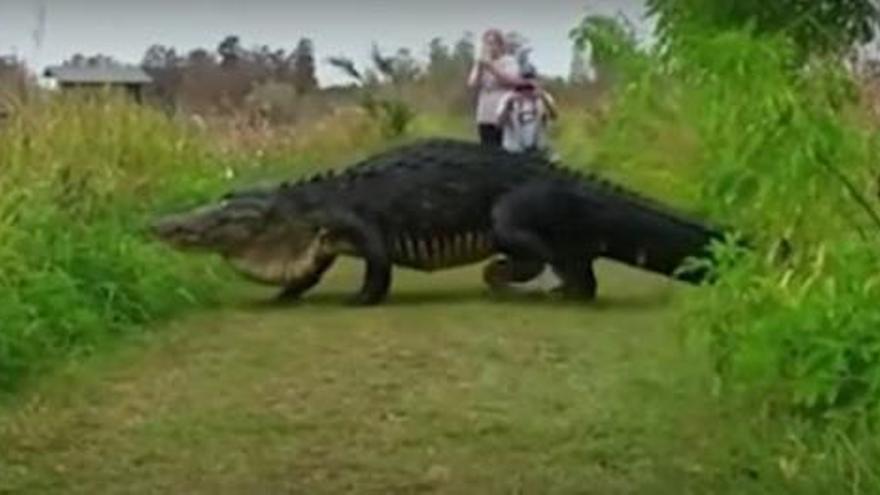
501 272
526 251
523 246
532 224
295 289
578 278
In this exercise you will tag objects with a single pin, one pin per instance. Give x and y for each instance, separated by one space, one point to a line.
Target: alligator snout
171 229
163 227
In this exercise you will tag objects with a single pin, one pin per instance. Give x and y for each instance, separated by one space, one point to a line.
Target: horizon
48 32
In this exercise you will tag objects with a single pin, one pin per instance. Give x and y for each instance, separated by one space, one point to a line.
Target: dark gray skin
437 204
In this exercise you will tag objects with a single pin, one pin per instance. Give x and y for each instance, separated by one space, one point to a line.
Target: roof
99 74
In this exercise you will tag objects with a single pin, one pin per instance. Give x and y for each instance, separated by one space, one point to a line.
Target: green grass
731 126
444 390
80 178
78 181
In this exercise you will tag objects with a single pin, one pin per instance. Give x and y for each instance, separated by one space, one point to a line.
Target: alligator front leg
295 289
366 241
377 281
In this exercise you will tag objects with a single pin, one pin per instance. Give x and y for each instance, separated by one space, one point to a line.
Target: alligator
441 203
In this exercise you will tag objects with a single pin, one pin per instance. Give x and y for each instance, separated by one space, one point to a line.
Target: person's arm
550 103
474 77
504 110
505 78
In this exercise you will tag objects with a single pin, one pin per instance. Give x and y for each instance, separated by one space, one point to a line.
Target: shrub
816 27
78 177
729 127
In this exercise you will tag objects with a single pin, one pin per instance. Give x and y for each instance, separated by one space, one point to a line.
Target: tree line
233 74
227 76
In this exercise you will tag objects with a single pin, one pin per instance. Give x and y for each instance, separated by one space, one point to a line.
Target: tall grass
729 127
79 178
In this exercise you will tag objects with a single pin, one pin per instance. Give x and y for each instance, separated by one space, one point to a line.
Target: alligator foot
292 293
508 276
573 294
294 290
361 299
287 297
578 280
500 273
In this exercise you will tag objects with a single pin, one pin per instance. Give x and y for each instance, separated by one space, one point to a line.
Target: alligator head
267 238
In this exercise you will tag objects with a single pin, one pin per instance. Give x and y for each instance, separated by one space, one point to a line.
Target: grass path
442 390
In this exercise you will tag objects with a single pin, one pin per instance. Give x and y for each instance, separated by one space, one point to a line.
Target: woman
494 73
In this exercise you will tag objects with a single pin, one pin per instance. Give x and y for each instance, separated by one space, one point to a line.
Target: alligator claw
287 298
361 299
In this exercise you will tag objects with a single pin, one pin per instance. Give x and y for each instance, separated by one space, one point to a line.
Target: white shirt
524 126
491 92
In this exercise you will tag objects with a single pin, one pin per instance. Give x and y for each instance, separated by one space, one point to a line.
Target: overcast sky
125 28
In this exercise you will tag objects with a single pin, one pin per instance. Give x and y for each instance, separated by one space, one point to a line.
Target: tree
347 66
444 66
9 63
393 114
97 60
518 46
384 65
438 55
612 45
398 68
14 78
101 60
579 71
159 57
405 67
815 26
304 78
165 67
230 51
77 60
464 51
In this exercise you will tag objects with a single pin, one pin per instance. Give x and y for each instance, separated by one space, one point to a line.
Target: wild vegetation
80 178
80 172
739 114
76 179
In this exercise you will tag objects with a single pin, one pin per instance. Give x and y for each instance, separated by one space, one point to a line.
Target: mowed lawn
441 390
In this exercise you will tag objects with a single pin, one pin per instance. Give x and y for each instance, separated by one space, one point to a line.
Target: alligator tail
658 242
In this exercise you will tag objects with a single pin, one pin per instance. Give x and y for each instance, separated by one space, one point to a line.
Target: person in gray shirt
524 114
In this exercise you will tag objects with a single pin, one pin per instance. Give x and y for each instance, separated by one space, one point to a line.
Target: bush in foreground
736 127
77 178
